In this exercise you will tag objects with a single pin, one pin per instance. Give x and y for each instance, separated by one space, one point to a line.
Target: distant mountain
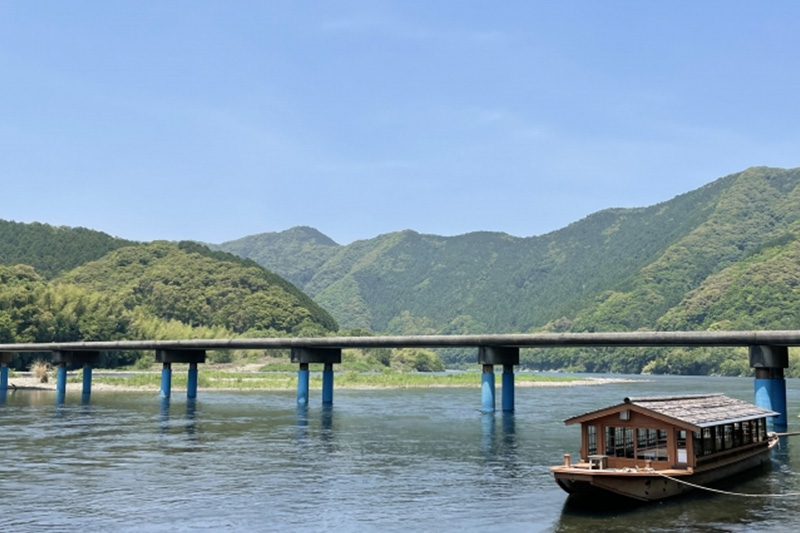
51 249
298 252
618 269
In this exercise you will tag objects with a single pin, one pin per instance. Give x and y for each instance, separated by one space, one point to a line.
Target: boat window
737 434
619 442
718 442
680 438
591 440
708 441
651 444
728 432
747 432
697 443
762 429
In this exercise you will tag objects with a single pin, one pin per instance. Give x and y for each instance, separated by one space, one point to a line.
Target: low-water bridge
769 356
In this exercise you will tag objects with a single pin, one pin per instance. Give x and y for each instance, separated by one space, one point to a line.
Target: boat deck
585 468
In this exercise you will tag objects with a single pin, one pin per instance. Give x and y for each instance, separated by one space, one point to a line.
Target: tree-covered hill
51 249
763 288
756 208
618 269
159 290
189 283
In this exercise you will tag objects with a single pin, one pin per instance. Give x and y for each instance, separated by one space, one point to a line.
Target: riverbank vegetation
389 379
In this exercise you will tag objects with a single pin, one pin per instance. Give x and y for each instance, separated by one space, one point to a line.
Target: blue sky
213 120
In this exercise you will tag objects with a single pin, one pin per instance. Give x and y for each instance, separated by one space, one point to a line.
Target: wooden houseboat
653 448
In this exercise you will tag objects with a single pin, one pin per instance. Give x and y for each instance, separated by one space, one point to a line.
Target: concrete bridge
769 356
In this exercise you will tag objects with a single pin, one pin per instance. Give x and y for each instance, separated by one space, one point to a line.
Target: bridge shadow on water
171 426
499 446
309 433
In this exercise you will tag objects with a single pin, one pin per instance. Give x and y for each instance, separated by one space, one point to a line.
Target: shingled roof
702 410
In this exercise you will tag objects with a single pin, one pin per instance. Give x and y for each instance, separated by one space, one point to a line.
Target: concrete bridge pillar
770 384
5 359
62 358
487 389
302 385
328 357
166 380
488 356
327 384
167 357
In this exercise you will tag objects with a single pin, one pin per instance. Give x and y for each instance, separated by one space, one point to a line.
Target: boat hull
651 485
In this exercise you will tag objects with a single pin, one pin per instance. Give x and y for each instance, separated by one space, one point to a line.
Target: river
378 460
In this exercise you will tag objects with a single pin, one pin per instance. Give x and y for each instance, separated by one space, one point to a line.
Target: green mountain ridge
617 269
724 256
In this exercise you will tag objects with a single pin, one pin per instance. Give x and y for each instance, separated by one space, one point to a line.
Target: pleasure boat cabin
711 436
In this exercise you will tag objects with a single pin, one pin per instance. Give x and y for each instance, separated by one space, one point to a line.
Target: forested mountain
51 249
189 283
297 253
159 290
645 259
722 256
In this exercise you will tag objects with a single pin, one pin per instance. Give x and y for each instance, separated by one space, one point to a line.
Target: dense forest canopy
51 249
189 283
159 290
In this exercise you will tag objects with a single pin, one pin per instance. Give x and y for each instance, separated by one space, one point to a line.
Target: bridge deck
634 338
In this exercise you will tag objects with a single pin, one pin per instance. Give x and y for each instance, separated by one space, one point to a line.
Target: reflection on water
376 461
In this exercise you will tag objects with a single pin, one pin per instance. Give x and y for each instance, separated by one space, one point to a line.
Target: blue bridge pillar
86 391
328 357
167 357
770 385
327 384
302 385
62 359
487 389
166 380
508 388
191 381
5 359
488 356
61 382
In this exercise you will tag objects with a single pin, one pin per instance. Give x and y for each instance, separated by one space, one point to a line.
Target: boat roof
697 411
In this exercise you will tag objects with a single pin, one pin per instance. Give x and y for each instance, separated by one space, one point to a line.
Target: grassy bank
223 380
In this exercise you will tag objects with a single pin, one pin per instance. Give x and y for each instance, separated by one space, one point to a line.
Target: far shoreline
23 382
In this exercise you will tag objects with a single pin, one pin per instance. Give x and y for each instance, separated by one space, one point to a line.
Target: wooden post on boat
770 385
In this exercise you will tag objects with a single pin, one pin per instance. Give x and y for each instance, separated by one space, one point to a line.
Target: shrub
41 370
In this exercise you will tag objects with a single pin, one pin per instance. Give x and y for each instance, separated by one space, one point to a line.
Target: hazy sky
213 120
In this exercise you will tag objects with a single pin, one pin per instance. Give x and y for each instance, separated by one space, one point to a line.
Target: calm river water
406 460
